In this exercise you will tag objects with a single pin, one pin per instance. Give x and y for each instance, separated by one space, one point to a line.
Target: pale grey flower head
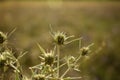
47 56
60 38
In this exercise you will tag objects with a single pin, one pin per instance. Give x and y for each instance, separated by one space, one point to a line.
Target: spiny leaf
41 49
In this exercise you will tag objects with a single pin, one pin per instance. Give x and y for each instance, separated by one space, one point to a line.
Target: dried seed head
39 77
3 37
85 51
60 38
49 58
3 58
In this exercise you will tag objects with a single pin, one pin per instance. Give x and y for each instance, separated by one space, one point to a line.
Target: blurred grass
95 22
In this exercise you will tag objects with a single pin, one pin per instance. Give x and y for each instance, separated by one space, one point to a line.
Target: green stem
58 59
78 59
32 73
65 73
61 66
73 40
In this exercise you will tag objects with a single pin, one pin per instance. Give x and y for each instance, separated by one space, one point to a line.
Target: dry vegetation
95 22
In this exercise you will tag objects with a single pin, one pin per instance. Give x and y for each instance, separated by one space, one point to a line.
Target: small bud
3 37
85 51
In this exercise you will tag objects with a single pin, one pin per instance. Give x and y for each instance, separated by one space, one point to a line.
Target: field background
96 22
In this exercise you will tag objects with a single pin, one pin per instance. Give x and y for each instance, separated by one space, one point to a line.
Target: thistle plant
50 60
49 67
9 64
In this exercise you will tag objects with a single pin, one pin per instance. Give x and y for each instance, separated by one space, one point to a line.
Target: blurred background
96 22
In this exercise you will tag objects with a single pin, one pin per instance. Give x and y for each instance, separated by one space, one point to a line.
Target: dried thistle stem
65 73
58 59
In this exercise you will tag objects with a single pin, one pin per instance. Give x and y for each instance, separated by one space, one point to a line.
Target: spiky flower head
86 50
60 38
49 58
3 37
46 57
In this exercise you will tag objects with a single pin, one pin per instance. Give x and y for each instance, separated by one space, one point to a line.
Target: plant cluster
50 60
